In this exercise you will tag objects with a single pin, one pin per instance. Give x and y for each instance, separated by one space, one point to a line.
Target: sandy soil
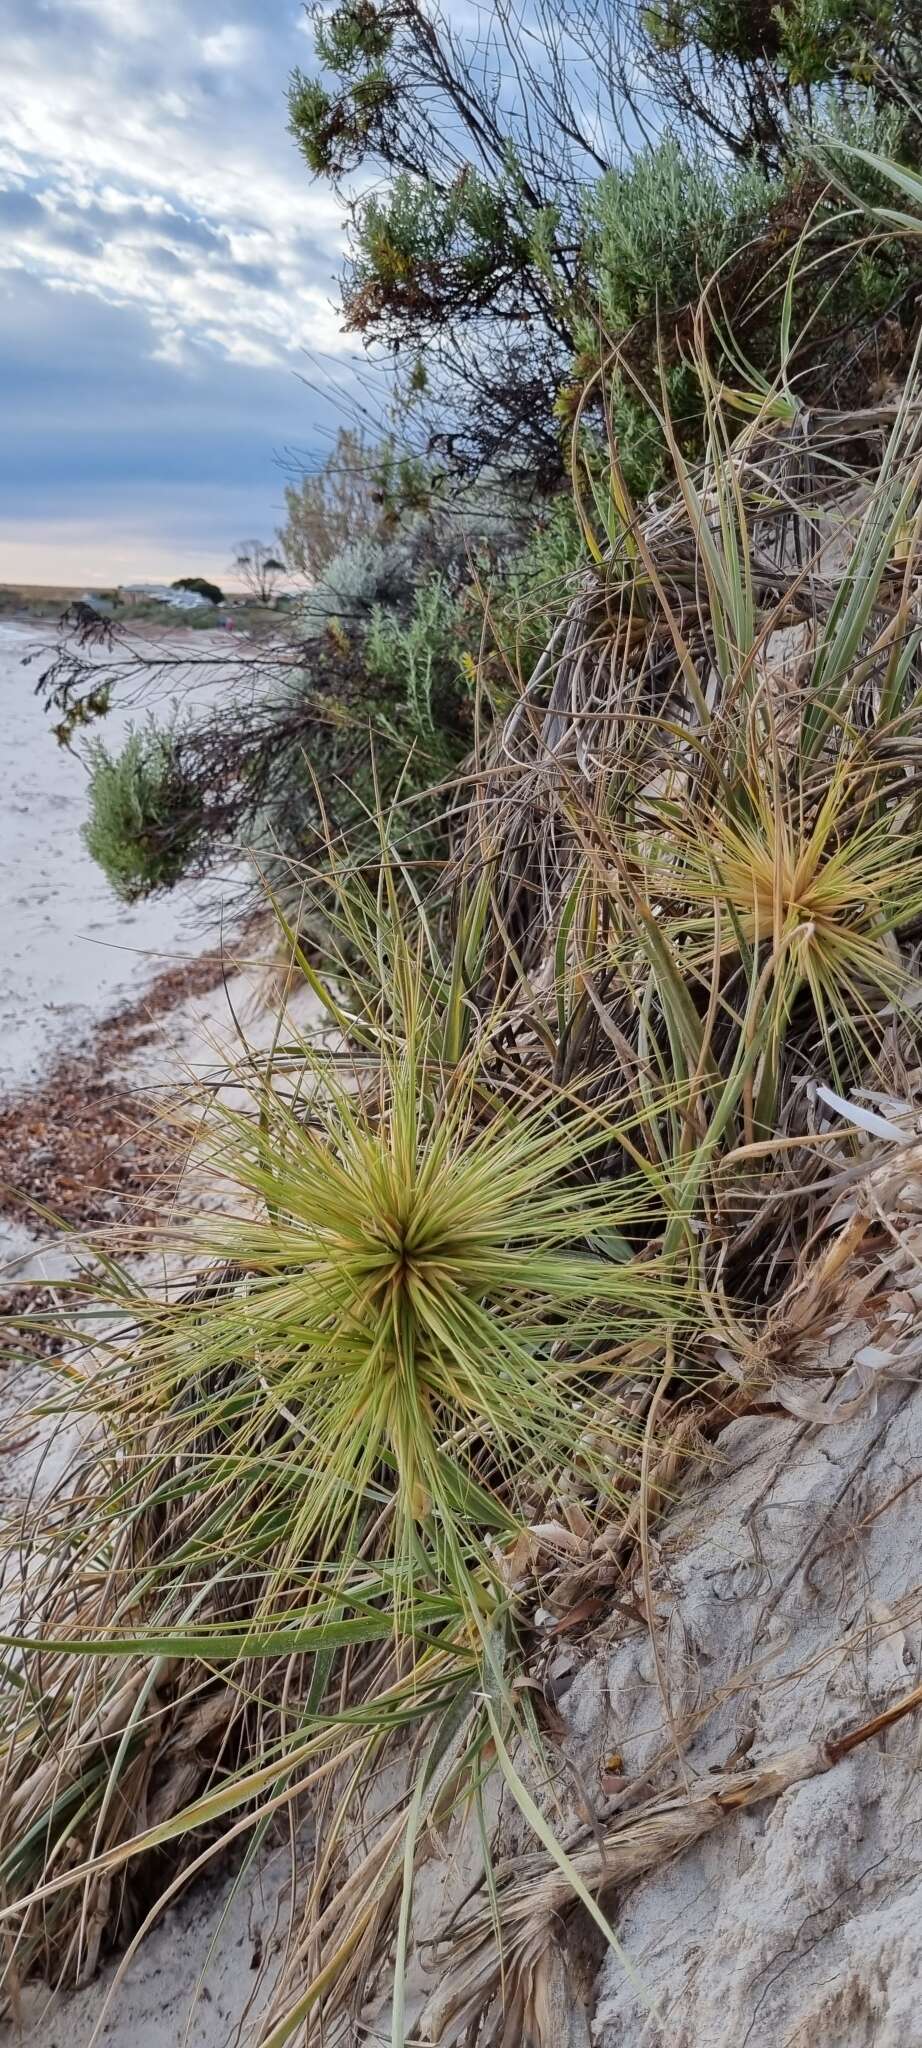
200 1981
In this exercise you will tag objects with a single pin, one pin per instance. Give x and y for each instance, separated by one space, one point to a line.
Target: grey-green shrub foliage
133 830
656 232
386 627
420 659
395 709
364 575
380 700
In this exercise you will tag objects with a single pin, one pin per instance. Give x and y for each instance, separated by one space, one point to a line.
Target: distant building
163 593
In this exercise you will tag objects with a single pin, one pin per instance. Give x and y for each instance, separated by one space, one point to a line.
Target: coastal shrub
655 231
139 829
420 661
393 715
364 490
517 212
364 575
789 52
381 703
649 235
390 634
371 692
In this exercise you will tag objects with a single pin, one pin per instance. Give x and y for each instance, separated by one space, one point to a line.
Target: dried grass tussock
613 1158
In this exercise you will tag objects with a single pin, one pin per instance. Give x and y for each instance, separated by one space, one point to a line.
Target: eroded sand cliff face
792 1584
787 1589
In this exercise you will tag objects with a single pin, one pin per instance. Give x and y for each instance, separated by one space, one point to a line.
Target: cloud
231 46
20 209
131 221
161 247
29 220
75 137
162 258
190 453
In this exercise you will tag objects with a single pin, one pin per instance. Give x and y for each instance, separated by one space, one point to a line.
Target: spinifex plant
420 1316
426 1287
414 1308
807 881
704 811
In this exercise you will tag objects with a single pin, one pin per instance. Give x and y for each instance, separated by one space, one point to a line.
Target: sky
167 284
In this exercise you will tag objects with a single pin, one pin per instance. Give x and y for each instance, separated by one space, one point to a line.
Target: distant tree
201 587
259 569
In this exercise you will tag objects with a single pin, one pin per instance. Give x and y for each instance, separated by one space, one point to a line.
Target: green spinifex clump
424 1316
403 1326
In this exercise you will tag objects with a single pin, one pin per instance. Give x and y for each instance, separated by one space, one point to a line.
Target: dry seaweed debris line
532 1910
82 1149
